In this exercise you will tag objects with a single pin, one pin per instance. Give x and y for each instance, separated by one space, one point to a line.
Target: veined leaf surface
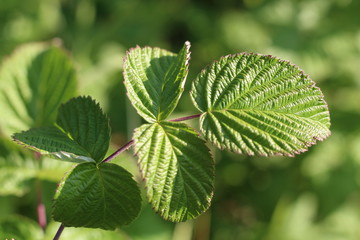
177 167
154 79
34 81
97 196
81 133
257 104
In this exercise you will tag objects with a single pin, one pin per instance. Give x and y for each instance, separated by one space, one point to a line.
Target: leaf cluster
249 103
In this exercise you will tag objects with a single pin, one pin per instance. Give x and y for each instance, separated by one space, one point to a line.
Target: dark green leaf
82 133
97 196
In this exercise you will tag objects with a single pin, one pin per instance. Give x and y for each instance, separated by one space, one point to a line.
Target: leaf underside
177 167
97 196
257 104
81 133
154 79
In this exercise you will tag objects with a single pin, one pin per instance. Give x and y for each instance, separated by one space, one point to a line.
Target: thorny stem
120 150
59 231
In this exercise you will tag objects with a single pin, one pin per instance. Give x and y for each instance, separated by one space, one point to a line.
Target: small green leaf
34 81
256 104
177 167
154 79
97 196
82 133
83 121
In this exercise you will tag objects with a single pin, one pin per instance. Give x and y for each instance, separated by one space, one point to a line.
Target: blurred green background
315 195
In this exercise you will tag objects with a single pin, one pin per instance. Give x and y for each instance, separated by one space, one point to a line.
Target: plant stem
185 118
59 231
131 142
120 150
41 211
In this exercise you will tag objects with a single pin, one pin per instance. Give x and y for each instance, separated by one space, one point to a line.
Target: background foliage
312 196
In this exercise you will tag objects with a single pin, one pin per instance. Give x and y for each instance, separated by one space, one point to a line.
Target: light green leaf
154 79
82 133
97 196
19 227
16 169
257 104
83 233
34 81
177 167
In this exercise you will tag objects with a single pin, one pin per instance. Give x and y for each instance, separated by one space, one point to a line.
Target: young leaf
256 104
97 196
177 167
34 81
154 79
81 134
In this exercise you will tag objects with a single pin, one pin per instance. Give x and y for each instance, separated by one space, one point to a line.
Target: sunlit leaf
177 168
154 79
97 196
257 104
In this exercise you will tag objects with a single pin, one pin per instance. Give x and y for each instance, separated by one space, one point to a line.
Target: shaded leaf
81 134
34 81
97 196
177 167
256 104
19 227
83 233
16 169
154 79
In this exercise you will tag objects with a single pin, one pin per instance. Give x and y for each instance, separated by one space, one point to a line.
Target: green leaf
83 233
177 167
81 134
34 81
16 169
97 196
18 227
84 121
154 79
256 104
55 143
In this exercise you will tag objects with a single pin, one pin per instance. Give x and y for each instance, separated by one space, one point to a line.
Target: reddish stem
120 150
59 231
185 118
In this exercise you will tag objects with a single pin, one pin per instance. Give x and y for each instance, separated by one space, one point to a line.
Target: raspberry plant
249 104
